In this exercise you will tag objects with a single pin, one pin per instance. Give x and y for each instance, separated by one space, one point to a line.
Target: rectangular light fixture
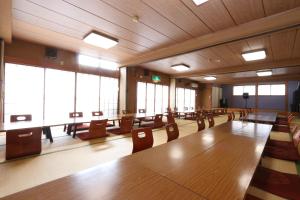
254 55
180 67
198 2
100 40
210 78
264 73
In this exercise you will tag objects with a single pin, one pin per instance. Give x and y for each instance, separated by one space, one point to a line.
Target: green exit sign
155 78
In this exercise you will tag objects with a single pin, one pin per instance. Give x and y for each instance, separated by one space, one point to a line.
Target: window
96 62
271 90
109 89
24 91
59 94
87 94
239 90
185 99
152 97
50 94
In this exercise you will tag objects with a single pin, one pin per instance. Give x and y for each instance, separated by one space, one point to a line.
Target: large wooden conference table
261 117
47 124
217 163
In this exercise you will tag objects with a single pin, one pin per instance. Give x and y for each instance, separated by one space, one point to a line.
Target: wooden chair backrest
126 124
233 116
97 113
170 118
20 118
229 118
98 127
200 123
142 139
75 114
158 120
142 110
211 121
172 131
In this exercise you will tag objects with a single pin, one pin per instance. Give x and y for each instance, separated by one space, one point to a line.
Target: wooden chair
97 130
97 113
20 118
142 139
100 113
145 119
233 115
211 121
170 118
124 112
200 123
125 126
23 142
157 123
172 131
79 126
278 183
229 118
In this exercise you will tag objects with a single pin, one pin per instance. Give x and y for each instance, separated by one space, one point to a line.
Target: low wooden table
217 163
261 117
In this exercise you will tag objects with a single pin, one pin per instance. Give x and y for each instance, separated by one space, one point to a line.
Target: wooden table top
217 163
261 117
46 123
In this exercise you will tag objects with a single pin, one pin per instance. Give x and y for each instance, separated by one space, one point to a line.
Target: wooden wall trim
6 20
257 27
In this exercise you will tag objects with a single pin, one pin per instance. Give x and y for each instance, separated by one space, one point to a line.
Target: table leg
74 131
69 129
48 133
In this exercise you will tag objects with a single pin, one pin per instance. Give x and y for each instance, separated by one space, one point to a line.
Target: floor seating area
150 99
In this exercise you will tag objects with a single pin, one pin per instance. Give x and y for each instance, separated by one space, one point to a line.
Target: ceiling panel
148 18
262 42
276 6
282 44
178 14
244 11
98 23
213 13
30 32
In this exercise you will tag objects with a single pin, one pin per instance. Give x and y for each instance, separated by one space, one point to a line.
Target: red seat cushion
278 183
250 197
282 153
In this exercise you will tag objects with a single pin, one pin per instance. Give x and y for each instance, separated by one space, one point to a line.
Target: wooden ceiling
280 46
63 23
279 74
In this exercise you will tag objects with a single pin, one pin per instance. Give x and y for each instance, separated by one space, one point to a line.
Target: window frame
244 90
270 85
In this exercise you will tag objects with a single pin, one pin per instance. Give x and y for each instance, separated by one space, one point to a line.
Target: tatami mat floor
66 156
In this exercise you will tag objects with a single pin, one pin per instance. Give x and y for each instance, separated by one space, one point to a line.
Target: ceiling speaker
51 52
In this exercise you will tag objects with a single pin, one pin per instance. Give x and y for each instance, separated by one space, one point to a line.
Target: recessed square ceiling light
180 67
100 40
210 78
254 55
264 73
198 2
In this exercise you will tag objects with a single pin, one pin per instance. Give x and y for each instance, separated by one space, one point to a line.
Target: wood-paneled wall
28 53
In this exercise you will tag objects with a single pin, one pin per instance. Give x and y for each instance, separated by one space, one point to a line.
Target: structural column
1 79
172 93
122 89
